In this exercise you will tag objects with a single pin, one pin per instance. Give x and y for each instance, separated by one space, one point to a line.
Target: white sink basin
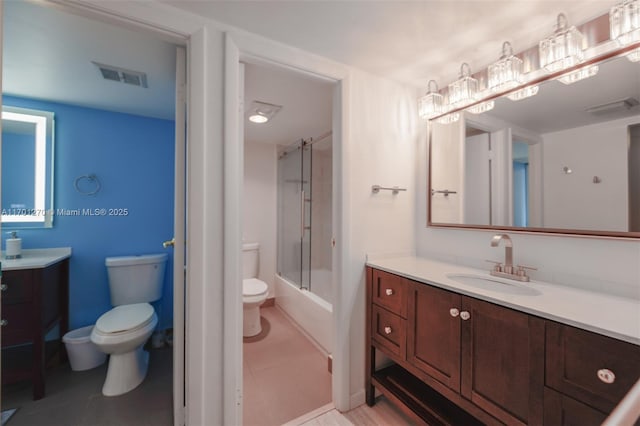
494 284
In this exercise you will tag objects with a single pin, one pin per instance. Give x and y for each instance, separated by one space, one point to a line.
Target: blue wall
133 157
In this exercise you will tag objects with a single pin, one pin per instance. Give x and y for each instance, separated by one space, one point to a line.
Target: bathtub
309 311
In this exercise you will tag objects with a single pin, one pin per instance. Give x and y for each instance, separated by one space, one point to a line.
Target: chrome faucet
506 270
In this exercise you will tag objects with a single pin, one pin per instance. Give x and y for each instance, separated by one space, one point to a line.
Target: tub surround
568 305
36 258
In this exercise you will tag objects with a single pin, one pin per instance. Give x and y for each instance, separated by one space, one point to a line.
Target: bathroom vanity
35 303
467 351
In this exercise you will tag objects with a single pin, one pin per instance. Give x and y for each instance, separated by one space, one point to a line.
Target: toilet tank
250 260
136 279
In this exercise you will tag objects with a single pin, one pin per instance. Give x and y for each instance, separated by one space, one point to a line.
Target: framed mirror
27 168
564 161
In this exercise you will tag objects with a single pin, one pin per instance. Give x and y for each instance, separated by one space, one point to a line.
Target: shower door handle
302 214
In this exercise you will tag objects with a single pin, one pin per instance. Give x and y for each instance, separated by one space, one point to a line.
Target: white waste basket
83 354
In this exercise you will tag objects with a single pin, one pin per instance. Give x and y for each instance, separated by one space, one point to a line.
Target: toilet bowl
134 281
121 333
254 294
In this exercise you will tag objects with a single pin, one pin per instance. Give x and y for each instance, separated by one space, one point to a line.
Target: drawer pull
387 330
605 375
389 292
4 287
465 315
4 322
454 312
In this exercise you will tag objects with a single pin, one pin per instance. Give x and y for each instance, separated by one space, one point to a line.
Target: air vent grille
135 78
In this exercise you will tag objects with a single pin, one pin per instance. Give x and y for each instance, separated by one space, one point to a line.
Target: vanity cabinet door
561 410
502 361
433 335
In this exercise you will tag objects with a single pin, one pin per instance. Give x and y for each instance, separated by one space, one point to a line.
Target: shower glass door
294 214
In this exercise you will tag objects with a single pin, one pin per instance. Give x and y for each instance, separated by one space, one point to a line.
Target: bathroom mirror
564 161
27 168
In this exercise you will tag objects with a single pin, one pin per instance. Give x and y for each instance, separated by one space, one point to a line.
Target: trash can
83 354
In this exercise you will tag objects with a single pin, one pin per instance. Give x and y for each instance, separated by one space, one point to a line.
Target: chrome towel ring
93 180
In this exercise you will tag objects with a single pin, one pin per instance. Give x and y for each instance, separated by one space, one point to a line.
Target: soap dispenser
13 246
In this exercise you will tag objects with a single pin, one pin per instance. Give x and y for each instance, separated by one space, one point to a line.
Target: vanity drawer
388 330
17 286
390 292
589 367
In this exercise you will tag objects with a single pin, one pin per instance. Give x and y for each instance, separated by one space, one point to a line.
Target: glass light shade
578 75
464 91
507 72
562 50
432 104
524 93
481 107
624 20
449 118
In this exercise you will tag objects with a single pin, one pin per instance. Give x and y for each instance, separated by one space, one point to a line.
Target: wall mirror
564 161
27 168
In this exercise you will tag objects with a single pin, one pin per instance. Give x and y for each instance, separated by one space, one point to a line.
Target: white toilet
254 291
134 281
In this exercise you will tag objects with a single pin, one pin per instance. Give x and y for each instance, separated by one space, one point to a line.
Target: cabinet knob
465 315
454 312
4 287
607 376
3 322
389 291
387 330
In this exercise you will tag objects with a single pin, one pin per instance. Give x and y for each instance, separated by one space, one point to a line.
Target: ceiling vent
613 107
122 75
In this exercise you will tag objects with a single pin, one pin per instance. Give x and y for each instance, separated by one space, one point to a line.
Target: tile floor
285 375
75 398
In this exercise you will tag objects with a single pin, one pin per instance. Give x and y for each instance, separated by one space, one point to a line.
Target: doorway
133 152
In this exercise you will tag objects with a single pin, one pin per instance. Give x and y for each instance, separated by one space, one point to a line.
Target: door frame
240 46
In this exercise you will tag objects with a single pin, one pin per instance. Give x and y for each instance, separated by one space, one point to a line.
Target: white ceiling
48 54
409 41
306 104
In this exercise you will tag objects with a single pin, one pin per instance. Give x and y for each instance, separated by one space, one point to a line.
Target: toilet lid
125 317
253 287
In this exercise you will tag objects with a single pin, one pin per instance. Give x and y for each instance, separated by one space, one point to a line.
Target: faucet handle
521 270
497 265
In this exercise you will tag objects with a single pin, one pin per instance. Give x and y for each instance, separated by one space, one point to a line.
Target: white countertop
611 316
36 258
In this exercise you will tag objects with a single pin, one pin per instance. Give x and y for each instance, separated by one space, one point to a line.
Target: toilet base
251 321
126 371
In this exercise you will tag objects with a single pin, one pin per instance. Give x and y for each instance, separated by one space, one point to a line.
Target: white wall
383 122
260 206
605 265
573 200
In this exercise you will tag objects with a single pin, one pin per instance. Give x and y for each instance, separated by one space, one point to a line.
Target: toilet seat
253 290
125 319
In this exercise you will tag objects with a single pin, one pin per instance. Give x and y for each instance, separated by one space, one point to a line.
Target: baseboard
271 301
330 363
357 399
310 415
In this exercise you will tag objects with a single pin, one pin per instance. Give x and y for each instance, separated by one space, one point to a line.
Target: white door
477 195
501 178
179 252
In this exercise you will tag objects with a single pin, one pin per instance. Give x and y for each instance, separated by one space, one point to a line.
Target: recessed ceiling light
261 112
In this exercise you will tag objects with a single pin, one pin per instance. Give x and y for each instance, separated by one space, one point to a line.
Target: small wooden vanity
35 302
461 360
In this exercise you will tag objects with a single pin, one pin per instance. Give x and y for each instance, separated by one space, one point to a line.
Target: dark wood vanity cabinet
34 301
466 356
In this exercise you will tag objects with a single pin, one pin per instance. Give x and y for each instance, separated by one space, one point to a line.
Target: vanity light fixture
463 91
564 49
432 104
506 73
524 93
261 112
449 118
624 20
578 75
482 107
